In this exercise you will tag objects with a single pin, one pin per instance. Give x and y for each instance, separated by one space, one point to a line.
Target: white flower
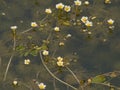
42 86
48 11
27 61
13 27
104 40
107 1
89 81
67 8
3 14
110 21
15 82
68 35
89 33
61 44
84 19
45 52
111 27
60 63
57 29
86 3
34 24
94 17
84 30
59 58
88 24
77 2
60 6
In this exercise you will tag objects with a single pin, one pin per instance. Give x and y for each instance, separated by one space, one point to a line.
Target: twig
54 75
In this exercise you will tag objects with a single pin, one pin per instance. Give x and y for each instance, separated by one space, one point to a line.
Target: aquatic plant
53 33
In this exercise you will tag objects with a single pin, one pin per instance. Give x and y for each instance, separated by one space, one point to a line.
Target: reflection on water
93 56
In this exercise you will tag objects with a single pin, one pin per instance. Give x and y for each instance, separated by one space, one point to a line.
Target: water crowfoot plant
53 39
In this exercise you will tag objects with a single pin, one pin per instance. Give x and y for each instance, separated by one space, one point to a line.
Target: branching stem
54 75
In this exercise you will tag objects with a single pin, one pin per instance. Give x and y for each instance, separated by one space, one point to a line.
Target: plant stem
9 62
32 28
8 65
54 84
25 85
0 61
107 84
27 30
74 76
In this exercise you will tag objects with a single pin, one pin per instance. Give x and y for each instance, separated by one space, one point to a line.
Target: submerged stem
32 28
107 84
8 65
25 85
27 30
54 84
74 76
54 75
0 61
9 62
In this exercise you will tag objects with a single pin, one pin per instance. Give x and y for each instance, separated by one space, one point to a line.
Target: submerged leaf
98 79
34 52
44 47
26 53
67 23
20 48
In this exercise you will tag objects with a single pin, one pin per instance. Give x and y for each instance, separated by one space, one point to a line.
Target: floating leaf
98 79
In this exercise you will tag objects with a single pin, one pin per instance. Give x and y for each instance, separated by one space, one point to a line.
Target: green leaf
67 23
29 37
34 52
98 79
44 47
20 48
26 53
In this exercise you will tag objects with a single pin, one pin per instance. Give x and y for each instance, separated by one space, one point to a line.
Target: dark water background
94 57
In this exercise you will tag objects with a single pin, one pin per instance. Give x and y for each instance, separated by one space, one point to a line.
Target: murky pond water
89 57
